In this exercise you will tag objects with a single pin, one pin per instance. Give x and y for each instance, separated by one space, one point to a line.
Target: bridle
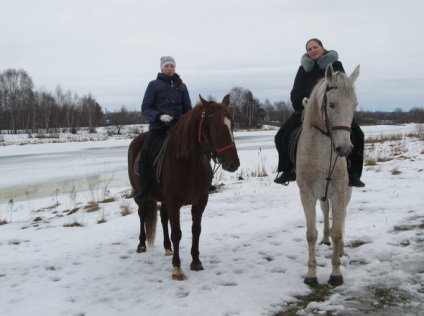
329 133
208 148
324 117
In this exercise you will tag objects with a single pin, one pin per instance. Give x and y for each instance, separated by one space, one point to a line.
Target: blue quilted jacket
164 97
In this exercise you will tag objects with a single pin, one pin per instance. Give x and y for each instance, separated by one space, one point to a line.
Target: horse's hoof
311 281
196 267
335 280
325 243
178 277
178 274
169 252
141 249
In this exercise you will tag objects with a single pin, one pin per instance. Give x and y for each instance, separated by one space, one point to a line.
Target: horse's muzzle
231 166
343 151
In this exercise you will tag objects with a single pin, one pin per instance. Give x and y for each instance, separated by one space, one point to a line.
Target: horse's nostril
232 167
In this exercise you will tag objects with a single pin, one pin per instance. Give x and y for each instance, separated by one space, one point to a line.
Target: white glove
166 118
305 101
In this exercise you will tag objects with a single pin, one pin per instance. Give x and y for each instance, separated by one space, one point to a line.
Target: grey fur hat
329 58
166 60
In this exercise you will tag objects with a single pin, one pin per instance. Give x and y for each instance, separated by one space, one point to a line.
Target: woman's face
168 69
314 50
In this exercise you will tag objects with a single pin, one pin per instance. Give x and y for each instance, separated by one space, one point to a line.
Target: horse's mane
186 131
341 82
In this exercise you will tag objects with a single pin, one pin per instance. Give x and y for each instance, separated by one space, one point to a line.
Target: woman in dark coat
312 69
165 100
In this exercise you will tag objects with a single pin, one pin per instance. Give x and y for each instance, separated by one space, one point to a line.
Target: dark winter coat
308 74
165 95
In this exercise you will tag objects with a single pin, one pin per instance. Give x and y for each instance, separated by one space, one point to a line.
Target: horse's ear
226 100
202 100
355 74
329 72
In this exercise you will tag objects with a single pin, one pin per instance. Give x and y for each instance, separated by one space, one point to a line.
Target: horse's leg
348 197
164 221
325 207
174 219
142 238
311 237
196 229
339 215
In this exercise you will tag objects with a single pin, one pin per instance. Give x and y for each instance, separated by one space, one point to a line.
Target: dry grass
384 138
92 207
395 171
108 200
377 151
370 162
125 209
259 169
73 224
357 243
102 220
319 293
74 210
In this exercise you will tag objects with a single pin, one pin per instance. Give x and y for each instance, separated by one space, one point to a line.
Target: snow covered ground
61 256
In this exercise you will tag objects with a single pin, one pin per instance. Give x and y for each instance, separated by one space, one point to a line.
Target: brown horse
203 133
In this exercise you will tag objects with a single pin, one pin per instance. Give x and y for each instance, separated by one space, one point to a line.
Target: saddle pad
156 155
292 140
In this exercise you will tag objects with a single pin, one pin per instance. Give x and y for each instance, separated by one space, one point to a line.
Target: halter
204 140
329 133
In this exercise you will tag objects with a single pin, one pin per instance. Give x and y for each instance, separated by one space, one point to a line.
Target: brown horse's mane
185 132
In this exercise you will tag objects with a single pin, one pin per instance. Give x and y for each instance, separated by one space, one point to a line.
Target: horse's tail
133 153
151 220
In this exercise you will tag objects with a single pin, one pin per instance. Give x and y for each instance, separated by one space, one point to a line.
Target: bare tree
69 105
268 108
92 110
16 93
119 119
45 103
237 101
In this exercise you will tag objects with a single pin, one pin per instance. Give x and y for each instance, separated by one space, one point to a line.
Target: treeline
26 109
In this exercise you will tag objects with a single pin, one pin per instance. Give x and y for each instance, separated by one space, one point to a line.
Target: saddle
156 154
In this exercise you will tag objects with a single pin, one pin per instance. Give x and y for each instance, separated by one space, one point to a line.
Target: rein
205 143
329 133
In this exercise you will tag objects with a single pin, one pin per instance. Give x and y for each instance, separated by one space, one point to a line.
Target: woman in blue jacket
165 100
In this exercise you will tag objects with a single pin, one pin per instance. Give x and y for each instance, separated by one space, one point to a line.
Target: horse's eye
331 105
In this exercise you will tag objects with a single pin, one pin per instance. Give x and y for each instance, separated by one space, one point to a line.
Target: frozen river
47 169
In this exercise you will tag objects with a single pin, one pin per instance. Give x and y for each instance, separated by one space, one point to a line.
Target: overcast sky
112 48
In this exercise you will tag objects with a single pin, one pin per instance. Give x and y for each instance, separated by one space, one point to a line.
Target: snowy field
72 251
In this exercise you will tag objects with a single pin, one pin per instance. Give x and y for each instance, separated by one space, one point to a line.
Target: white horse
321 166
